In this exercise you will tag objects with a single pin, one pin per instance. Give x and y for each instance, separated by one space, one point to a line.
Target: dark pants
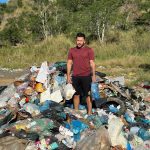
82 85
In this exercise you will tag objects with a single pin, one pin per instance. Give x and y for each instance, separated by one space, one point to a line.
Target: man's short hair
80 35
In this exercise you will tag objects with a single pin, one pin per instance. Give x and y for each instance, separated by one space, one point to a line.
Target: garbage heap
36 112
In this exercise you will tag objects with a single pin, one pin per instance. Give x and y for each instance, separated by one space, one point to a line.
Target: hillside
32 31
23 20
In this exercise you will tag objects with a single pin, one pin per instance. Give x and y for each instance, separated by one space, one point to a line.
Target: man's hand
69 65
69 79
92 64
93 78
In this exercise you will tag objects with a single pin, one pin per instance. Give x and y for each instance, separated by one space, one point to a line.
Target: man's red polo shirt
81 60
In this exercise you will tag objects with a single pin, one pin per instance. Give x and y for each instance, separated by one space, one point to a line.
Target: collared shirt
81 60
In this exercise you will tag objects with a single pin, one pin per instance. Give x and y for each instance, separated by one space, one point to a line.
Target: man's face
80 41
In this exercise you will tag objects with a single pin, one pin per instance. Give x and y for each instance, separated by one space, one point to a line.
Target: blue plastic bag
45 106
113 109
95 91
144 134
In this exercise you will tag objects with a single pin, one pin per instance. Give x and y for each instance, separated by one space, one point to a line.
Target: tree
96 18
38 19
2 11
75 5
12 34
20 3
45 10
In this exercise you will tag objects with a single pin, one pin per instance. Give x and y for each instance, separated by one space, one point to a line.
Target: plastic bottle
144 134
95 91
128 146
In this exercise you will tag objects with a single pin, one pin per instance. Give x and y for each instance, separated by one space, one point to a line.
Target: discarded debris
37 109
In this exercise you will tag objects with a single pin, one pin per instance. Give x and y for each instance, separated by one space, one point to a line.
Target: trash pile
36 112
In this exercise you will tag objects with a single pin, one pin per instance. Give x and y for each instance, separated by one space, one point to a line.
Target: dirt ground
9 76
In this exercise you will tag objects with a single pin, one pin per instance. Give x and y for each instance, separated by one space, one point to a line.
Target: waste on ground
36 112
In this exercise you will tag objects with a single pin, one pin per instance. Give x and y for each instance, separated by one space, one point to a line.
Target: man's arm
92 64
69 65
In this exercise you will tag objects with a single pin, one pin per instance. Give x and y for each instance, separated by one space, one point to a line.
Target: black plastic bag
22 134
8 116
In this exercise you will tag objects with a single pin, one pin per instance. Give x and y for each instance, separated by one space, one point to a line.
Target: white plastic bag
42 75
45 96
55 96
69 91
115 131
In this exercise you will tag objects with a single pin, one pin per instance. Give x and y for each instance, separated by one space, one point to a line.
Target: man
81 58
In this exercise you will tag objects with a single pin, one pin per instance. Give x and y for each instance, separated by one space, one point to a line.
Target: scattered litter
36 112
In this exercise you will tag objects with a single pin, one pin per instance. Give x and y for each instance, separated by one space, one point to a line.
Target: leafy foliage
31 21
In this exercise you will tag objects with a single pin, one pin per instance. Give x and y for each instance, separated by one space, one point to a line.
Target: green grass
125 57
54 49
120 58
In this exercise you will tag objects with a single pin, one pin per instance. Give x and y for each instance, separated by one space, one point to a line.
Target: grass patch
54 49
120 58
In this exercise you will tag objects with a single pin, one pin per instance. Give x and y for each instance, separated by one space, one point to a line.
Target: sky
3 1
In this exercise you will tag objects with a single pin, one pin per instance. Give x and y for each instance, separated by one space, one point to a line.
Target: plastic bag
60 80
43 124
5 116
115 131
45 106
144 146
22 134
144 134
13 102
61 66
136 141
22 87
95 91
8 93
94 140
3 104
32 109
68 91
2 88
55 96
42 74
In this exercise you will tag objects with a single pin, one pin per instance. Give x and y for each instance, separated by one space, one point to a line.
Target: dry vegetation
119 58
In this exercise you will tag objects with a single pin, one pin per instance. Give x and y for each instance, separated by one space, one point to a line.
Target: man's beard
80 46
